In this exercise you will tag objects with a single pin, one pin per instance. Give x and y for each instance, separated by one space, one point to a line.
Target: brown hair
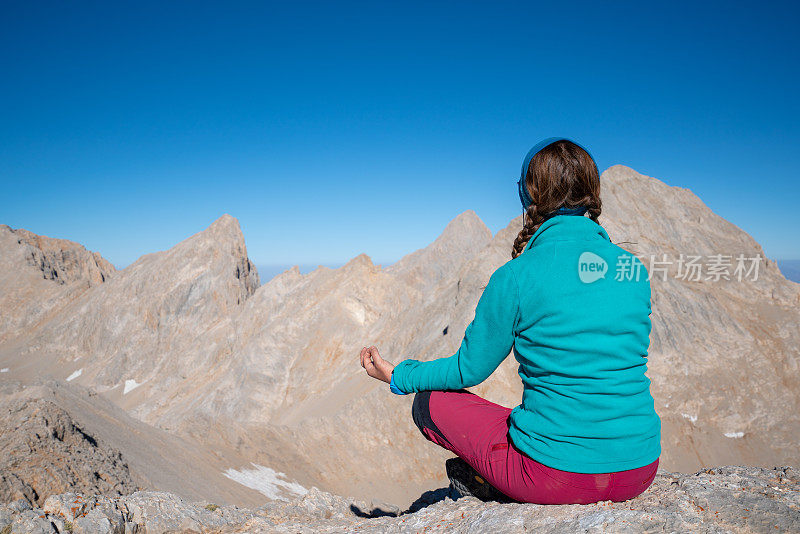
561 175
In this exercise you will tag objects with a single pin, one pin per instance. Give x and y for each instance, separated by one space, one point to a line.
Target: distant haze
790 269
267 272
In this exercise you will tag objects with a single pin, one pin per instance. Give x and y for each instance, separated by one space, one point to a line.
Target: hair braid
594 211
532 221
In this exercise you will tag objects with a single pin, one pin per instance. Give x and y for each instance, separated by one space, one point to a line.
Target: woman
587 429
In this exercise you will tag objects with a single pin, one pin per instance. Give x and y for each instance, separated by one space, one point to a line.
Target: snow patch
734 434
691 418
130 385
357 310
265 480
75 375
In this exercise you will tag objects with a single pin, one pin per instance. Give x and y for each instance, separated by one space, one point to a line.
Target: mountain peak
466 224
225 227
225 220
362 260
462 238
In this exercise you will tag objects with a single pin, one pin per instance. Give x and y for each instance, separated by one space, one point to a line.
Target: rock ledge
720 499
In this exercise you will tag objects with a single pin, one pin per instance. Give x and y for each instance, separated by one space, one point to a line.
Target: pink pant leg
477 431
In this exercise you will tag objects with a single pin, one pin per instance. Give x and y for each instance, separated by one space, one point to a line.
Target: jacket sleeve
487 342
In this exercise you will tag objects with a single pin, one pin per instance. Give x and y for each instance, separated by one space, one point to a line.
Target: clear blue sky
331 129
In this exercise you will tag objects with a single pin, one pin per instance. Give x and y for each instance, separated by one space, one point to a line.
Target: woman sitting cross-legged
586 429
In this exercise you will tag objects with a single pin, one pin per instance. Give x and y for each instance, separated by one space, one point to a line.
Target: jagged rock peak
628 181
465 235
466 225
360 261
623 170
61 260
641 208
224 227
225 235
460 240
225 220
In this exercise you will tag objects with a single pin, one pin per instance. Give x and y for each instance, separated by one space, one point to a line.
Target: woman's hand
376 366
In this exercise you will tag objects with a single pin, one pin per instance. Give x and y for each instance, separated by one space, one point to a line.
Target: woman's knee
421 410
421 407
423 418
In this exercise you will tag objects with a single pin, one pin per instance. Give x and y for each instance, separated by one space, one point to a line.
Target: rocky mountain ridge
188 343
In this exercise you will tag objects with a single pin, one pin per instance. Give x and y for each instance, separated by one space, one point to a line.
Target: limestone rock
45 452
39 274
124 333
61 260
721 499
65 436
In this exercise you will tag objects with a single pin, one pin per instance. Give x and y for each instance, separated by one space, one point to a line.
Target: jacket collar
566 227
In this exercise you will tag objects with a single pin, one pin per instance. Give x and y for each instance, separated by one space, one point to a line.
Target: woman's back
586 429
581 339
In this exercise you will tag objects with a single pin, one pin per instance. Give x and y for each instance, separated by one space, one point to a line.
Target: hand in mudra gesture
376 366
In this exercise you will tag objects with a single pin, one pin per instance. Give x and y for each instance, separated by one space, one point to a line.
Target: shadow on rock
430 497
372 511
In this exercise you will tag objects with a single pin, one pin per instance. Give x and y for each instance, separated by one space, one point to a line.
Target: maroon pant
477 431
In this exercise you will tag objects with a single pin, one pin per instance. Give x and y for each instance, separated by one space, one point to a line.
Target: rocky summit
722 499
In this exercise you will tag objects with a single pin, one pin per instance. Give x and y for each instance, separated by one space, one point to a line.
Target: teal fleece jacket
575 309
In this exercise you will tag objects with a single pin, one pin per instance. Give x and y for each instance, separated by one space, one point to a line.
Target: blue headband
524 197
